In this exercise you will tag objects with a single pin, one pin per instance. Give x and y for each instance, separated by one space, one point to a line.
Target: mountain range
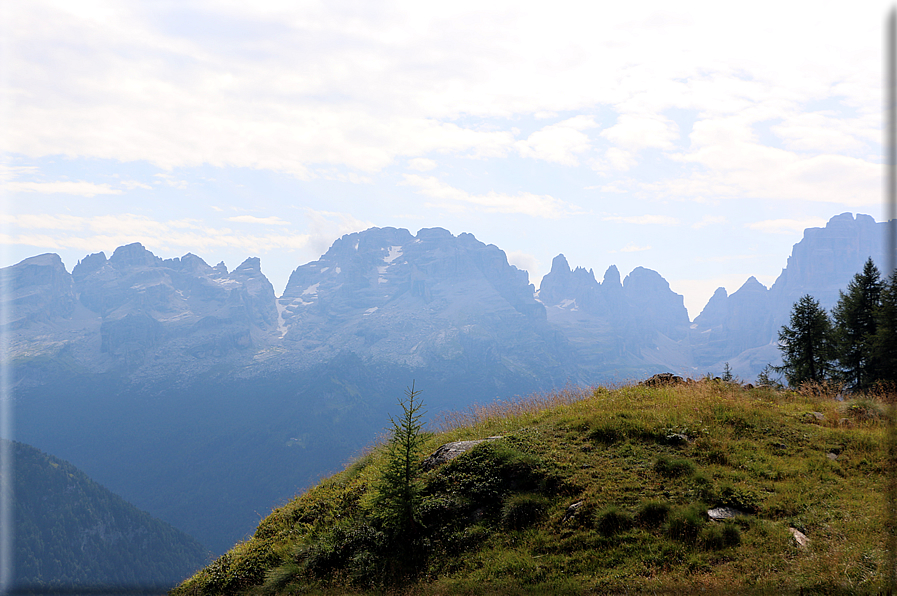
70 531
202 397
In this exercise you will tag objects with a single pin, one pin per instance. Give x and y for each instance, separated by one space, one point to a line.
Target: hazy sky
696 139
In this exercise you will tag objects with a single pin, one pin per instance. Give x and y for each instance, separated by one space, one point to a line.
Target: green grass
496 520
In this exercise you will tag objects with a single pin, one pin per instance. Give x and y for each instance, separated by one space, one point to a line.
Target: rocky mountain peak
41 290
372 283
714 312
88 265
655 307
563 286
133 255
250 267
50 259
826 259
190 263
559 265
612 277
138 302
641 281
752 285
436 234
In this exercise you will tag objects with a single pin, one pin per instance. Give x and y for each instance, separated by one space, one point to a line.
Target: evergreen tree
806 345
399 489
885 343
855 321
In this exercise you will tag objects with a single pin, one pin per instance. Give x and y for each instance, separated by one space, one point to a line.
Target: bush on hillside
611 520
717 536
685 524
673 468
652 514
523 510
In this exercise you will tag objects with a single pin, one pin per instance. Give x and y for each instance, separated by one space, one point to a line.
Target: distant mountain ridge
194 367
71 532
385 294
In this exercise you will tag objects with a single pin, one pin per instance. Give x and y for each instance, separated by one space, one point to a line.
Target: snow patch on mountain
394 253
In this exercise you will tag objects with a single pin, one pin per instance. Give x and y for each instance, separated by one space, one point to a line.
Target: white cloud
525 203
316 84
81 189
172 181
132 184
525 262
709 220
786 226
644 219
815 132
421 164
634 248
350 177
110 231
251 219
640 131
44 221
620 159
733 164
559 143
327 226
8 172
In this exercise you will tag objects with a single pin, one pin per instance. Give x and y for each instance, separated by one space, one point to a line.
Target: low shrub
673 468
243 566
719 536
703 488
621 428
864 409
731 535
523 510
685 524
652 514
740 497
611 520
712 452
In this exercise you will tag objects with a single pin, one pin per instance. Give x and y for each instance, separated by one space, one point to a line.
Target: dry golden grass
478 415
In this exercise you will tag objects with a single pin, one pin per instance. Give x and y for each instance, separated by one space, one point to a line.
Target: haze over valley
174 382
232 234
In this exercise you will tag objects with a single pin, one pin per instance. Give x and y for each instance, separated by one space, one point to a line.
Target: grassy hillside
646 465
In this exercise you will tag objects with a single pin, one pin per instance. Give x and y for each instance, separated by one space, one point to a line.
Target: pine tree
885 343
399 489
855 322
806 345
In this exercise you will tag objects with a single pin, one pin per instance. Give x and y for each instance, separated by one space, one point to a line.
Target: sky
698 139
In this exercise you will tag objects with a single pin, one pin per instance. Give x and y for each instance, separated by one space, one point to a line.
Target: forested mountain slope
71 532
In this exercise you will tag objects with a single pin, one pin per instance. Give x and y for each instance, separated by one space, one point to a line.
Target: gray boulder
450 451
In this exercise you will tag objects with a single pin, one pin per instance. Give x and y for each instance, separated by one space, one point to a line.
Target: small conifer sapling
399 490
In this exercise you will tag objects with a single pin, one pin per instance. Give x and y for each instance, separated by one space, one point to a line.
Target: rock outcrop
450 451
